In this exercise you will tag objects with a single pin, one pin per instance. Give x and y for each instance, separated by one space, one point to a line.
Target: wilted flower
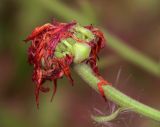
55 46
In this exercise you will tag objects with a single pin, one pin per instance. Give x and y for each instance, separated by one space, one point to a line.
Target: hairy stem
101 119
113 42
116 96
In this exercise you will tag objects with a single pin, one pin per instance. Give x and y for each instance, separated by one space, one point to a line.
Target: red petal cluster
96 45
41 53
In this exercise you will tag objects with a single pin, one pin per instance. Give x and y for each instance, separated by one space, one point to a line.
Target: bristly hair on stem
116 96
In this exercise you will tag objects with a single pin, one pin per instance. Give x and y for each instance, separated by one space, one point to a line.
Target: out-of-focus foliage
135 21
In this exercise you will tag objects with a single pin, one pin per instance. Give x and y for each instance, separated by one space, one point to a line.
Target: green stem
116 96
113 42
132 55
62 10
101 119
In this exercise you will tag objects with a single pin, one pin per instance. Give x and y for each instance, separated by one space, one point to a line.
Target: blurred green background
137 22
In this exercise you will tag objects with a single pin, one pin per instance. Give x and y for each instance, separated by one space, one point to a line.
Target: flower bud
55 46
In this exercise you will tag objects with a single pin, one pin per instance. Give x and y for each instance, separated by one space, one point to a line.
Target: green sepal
81 52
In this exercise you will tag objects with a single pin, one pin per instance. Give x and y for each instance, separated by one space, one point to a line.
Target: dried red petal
54 88
100 84
97 44
41 53
39 30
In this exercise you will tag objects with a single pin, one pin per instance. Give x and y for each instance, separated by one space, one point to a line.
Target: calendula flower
55 46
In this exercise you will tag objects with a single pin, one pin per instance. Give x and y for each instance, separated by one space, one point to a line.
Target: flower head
55 46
